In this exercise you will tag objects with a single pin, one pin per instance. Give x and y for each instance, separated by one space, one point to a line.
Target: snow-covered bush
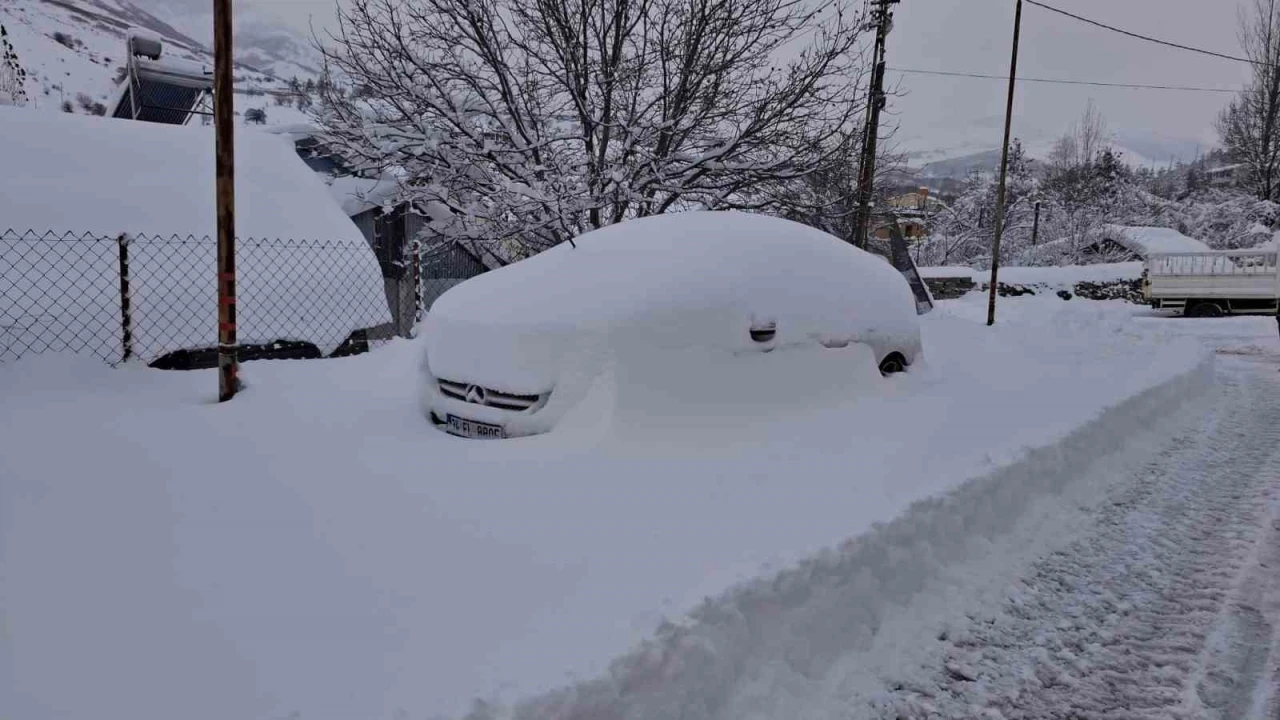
1222 219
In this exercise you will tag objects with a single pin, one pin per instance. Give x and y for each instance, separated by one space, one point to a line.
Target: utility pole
1004 169
882 18
224 128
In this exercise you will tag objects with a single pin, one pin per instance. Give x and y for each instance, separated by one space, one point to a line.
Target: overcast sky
975 35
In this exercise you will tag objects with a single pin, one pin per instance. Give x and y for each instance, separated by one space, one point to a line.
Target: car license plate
463 427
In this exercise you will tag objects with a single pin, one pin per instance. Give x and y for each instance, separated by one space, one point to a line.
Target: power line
1053 81
1147 38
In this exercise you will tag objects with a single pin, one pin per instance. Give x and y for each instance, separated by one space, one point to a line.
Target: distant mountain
1137 149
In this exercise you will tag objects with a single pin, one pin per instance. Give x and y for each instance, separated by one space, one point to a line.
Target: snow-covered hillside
74 50
969 149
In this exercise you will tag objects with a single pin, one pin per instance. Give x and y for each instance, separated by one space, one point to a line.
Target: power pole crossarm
1004 168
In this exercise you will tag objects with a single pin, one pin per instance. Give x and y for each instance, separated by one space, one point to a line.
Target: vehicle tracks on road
1167 607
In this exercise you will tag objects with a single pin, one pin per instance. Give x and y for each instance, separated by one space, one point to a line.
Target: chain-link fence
154 299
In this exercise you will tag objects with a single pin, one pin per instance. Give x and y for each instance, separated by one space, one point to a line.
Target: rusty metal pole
1004 168
224 126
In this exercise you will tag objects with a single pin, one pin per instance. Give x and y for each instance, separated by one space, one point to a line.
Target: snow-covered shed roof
62 173
357 194
80 173
1145 241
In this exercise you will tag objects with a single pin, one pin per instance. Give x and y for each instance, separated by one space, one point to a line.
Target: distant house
305 274
1127 243
913 211
912 229
918 201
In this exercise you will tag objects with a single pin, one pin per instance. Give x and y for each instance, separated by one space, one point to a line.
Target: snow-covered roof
294 131
1146 241
357 194
80 174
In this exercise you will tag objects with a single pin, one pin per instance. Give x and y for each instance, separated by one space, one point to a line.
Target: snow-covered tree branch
525 123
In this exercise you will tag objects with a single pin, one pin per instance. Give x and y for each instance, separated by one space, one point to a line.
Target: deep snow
314 547
623 300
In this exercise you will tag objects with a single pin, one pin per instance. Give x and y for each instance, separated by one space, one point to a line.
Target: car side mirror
763 332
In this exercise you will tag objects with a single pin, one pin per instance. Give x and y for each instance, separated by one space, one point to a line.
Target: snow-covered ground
315 548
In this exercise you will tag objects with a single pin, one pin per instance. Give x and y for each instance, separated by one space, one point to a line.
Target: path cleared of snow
1166 604
315 548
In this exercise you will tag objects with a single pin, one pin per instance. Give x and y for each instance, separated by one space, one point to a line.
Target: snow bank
314 548
312 276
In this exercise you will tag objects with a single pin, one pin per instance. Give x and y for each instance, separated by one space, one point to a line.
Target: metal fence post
126 303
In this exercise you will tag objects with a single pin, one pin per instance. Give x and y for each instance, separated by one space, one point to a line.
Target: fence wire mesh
154 298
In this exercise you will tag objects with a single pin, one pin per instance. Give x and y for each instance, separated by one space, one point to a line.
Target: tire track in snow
1167 610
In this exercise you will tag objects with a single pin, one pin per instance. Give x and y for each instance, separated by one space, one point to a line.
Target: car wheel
1205 310
892 364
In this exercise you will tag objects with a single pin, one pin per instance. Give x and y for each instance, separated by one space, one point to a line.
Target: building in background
391 227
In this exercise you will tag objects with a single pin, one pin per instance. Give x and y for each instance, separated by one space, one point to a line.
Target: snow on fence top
75 178
1147 241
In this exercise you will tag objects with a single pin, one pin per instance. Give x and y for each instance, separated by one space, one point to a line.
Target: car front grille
488 397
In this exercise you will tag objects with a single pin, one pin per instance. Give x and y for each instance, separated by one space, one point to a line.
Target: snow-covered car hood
697 279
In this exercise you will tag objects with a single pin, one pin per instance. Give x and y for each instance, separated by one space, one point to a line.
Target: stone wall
950 288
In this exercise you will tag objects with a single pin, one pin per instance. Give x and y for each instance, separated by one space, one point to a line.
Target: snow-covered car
510 352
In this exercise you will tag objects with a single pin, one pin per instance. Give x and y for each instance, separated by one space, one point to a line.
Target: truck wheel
1205 310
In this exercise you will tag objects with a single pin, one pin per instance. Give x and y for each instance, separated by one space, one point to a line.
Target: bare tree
1080 144
1248 126
521 124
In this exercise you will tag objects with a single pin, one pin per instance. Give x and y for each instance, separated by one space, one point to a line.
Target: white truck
1213 284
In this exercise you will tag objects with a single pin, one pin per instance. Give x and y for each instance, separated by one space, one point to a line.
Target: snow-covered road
1077 512
1166 605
